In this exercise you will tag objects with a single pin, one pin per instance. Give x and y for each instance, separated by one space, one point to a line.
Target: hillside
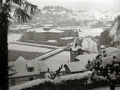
61 17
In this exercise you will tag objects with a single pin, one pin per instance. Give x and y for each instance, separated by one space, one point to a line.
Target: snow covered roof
40 30
75 66
53 66
67 38
84 58
51 41
102 47
39 66
22 69
20 59
42 66
29 64
46 55
63 57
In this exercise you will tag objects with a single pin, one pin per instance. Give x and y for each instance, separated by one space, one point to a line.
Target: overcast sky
79 4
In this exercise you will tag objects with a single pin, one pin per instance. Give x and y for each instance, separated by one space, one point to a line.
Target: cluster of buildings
49 35
40 66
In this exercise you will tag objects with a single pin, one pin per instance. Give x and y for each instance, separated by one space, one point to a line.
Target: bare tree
56 74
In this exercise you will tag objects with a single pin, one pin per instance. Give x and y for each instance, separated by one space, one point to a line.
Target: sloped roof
53 66
22 69
75 66
20 59
63 57
40 30
42 66
84 58
39 66
46 55
29 64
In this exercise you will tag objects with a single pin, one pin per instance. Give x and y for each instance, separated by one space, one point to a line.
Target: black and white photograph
60 44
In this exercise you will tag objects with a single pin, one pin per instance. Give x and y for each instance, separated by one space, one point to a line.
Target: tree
56 74
23 10
104 38
105 66
11 70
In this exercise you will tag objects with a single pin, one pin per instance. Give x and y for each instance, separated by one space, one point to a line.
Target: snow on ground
92 32
27 48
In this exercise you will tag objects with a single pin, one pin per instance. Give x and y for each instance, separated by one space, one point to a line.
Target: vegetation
22 10
56 74
105 66
104 38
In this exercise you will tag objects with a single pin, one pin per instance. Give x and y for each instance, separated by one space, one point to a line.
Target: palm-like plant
22 10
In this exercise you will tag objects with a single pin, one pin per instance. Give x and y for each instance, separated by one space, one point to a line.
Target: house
74 67
84 58
27 70
79 66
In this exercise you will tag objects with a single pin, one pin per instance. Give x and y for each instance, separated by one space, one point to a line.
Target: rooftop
40 30
84 58
63 57
75 66
21 67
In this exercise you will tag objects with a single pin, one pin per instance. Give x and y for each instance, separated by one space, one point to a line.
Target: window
30 67
13 82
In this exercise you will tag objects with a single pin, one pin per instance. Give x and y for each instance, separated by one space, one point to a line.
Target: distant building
44 34
48 35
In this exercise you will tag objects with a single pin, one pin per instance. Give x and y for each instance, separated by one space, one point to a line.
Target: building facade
46 33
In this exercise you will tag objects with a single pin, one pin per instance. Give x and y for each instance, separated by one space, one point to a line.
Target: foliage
56 74
104 66
23 10
104 38
117 19
57 84
10 68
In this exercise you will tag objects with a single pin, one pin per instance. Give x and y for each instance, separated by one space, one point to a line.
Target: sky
79 4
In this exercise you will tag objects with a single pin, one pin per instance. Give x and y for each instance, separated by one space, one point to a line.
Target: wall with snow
69 82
